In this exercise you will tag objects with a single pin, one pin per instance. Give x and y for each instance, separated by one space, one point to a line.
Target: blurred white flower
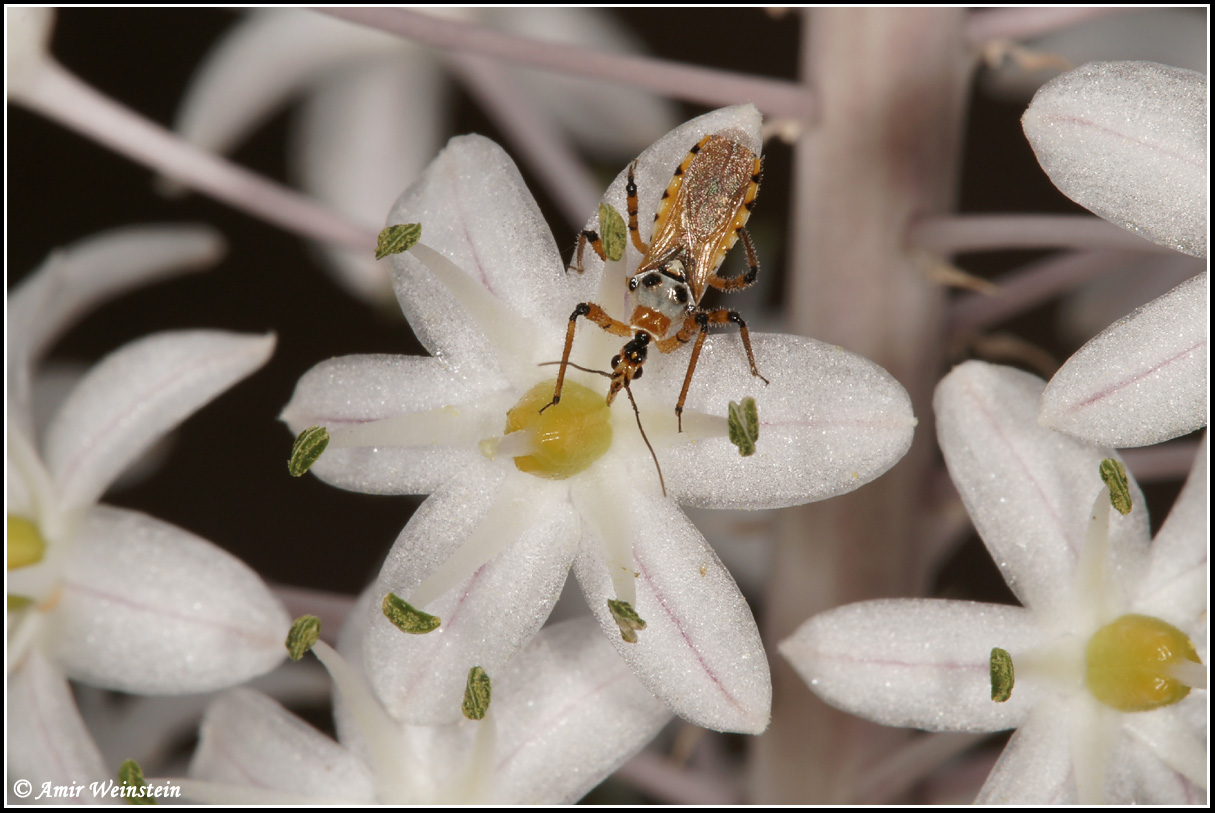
376 105
565 715
108 596
486 292
1102 648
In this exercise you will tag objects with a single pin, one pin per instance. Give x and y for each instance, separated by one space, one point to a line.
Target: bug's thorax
660 297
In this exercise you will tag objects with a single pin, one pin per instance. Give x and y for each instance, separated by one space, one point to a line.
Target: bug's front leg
600 317
699 323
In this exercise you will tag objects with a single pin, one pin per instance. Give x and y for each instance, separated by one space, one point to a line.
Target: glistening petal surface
135 395
594 715
1028 489
148 608
1128 141
915 662
436 417
492 610
247 738
700 651
1141 381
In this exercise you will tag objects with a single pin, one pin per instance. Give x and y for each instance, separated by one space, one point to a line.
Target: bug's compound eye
562 440
637 374
651 280
615 362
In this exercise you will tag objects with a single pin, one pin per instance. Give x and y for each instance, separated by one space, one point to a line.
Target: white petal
569 712
261 63
830 421
249 739
490 613
1168 762
135 395
1143 380
47 740
1175 585
1036 767
80 277
435 420
476 211
366 134
606 118
1028 489
915 662
1127 140
700 651
151 609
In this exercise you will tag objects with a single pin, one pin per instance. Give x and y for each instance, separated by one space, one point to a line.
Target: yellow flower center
1131 660
565 438
25 545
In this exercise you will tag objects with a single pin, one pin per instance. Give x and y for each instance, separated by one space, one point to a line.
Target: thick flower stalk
1108 686
563 717
103 595
487 294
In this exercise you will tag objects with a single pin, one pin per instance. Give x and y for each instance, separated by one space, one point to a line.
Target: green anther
627 619
23 543
397 239
476 694
305 632
406 618
130 775
1113 474
743 421
612 231
1001 675
307 448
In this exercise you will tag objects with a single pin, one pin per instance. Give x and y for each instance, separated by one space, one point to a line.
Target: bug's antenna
640 429
576 367
636 413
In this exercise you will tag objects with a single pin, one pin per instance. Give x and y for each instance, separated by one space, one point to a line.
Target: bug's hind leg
631 190
746 279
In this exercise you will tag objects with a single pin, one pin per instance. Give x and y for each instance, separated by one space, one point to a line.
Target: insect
700 217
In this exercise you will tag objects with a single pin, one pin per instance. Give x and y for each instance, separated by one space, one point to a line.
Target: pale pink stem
1022 23
956 234
62 97
542 146
674 784
674 79
919 758
1029 286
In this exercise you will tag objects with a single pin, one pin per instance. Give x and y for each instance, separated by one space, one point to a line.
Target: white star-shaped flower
486 292
562 717
1103 649
108 596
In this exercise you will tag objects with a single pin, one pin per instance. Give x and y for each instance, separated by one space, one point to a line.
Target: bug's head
627 366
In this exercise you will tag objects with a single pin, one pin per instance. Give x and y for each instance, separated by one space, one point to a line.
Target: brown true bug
700 217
